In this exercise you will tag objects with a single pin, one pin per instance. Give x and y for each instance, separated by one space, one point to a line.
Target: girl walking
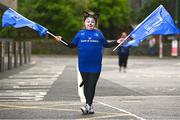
90 42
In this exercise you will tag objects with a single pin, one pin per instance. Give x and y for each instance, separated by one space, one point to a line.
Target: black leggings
90 79
123 61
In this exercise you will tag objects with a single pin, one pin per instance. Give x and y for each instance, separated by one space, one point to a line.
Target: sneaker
91 110
85 109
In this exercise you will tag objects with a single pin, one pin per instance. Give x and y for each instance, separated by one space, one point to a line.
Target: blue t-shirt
90 47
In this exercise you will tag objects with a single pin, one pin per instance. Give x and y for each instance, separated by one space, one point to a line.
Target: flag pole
121 43
55 36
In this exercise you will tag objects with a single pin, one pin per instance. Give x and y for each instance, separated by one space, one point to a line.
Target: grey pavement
47 89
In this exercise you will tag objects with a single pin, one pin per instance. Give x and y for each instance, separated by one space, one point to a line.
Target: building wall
9 3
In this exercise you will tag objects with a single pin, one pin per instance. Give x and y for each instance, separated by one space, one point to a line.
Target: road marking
2 109
18 106
72 110
40 78
36 106
129 101
121 110
172 89
104 116
48 107
56 105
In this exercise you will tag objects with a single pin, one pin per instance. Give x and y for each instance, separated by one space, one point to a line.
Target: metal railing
14 54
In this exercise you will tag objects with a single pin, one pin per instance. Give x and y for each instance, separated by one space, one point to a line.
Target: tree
114 15
64 17
151 5
60 17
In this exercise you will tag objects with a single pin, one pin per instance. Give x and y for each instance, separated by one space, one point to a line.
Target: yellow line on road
17 106
45 108
60 109
54 105
98 114
2 109
104 116
34 106
77 111
172 89
107 114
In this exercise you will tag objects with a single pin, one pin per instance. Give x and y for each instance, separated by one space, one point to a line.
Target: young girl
123 54
90 42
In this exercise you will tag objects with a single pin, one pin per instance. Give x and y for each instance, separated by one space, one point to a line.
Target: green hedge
50 46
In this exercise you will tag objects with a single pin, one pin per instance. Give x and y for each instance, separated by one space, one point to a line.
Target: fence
14 53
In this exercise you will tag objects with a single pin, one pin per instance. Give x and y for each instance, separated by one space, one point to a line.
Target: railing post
29 51
21 53
16 49
2 50
9 55
25 52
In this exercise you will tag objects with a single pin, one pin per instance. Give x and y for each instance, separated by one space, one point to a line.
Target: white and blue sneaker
85 109
91 110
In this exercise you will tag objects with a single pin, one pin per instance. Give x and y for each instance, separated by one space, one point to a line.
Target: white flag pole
121 43
55 36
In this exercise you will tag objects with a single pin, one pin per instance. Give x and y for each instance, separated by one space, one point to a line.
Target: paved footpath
47 89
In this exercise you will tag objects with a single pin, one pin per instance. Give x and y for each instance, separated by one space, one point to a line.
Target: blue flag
12 18
159 22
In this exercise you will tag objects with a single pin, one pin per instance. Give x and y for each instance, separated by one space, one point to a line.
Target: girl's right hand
120 40
58 38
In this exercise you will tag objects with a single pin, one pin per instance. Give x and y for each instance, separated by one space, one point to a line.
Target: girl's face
89 23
